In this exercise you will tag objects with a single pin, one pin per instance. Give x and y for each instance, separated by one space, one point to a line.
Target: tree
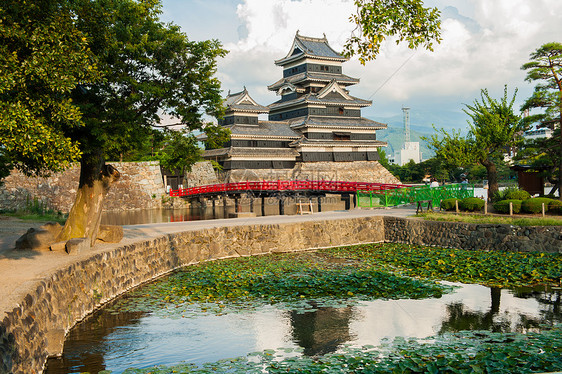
43 57
148 68
545 67
406 20
180 151
493 128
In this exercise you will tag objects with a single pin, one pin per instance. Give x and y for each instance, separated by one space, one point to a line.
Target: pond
119 336
271 207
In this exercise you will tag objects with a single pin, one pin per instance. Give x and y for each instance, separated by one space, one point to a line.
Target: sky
485 43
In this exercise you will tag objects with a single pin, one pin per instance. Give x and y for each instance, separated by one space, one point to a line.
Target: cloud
484 45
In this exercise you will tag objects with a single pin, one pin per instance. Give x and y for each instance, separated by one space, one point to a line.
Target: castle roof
305 46
243 102
336 123
264 129
267 153
311 98
306 76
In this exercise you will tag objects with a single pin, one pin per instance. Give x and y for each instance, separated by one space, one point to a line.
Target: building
316 120
409 151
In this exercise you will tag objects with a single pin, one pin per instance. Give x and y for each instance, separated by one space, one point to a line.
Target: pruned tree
545 68
404 20
494 127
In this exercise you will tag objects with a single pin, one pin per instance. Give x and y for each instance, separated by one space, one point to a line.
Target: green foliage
545 68
534 205
44 56
502 206
84 79
555 206
449 204
216 136
493 127
180 151
290 279
516 194
384 159
151 70
489 268
492 219
463 352
403 20
471 204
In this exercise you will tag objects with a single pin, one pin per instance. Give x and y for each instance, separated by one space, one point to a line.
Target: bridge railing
411 194
298 185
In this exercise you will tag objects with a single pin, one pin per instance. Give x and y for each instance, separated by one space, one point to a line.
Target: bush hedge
448 204
534 205
503 206
555 206
517 195
471 204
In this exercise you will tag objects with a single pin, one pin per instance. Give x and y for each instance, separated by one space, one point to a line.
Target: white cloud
484 45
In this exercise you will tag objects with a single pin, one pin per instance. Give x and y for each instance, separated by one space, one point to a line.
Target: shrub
555 206
471 204
534 205
503 206
517 195
448 204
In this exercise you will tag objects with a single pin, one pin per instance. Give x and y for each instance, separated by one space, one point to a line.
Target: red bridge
280 190
271 187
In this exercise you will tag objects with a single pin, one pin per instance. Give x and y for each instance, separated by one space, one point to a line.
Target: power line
392 75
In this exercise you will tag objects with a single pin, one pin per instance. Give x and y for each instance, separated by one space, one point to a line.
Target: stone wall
486 237
357 171
139 187
201 174
36 326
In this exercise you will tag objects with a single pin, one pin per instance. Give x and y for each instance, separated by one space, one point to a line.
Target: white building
410 151
538 134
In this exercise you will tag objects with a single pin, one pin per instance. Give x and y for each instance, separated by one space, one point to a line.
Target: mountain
394 136
421 124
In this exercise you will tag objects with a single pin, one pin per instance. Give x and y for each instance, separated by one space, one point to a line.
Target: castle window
340 110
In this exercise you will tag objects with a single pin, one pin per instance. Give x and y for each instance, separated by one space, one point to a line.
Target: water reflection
89 349
321 331
116 342
271 207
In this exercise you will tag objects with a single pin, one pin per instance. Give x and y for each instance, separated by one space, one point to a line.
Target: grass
492 219
37 217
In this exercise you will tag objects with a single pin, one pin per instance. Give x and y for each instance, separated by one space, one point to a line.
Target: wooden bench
421 203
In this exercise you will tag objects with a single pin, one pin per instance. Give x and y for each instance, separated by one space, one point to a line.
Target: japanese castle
316 120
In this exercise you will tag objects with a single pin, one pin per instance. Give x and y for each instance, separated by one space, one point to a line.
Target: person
464 183
434 183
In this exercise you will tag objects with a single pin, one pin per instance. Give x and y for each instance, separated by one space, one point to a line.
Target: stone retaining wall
487 237
356 171
140 187
36 327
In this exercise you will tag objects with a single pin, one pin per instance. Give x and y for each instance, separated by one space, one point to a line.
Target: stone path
21 270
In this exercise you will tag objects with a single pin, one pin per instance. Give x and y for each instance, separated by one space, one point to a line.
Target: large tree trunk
492 177
85 216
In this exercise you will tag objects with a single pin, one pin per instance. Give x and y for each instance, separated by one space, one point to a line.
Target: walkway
21 270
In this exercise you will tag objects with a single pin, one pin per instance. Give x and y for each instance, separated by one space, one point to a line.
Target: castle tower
315 101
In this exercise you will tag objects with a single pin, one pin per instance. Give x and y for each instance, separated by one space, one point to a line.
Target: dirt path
12 228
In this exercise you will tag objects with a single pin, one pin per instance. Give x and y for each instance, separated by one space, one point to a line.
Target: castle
314 131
